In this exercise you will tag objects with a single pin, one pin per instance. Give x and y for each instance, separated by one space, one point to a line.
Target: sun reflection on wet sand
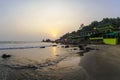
54 51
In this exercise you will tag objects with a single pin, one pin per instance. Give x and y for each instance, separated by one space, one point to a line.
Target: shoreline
101 64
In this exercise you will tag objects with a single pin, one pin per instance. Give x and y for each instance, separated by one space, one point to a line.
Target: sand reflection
54 51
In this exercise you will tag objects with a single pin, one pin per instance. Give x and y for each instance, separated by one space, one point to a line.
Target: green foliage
106 25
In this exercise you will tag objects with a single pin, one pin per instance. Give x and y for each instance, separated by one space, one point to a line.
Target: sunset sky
34 20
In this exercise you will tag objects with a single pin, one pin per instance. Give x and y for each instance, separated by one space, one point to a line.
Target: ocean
29 59
30 53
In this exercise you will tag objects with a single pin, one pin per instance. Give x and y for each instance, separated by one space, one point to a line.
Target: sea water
31 53
29 59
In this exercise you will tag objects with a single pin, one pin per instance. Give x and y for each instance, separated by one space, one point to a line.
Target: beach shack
111 38
107 35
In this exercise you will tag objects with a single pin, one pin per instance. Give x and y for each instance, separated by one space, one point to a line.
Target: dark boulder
5 56
42 47
81 47
67 46
75 49
54 45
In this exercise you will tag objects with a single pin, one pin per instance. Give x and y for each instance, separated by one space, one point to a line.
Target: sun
54 35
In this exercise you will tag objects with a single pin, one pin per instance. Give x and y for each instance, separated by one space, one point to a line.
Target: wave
37 66
28 47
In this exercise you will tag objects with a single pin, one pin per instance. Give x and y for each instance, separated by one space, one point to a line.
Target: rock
42 47
54 45
67 46
81 47
5 56
75 49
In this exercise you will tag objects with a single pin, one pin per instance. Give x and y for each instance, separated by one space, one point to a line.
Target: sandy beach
100 64
103 64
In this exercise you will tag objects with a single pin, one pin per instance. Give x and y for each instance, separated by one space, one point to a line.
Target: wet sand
68 69
64 65
102 64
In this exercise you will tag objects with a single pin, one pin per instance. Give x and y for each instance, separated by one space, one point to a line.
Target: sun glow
54 35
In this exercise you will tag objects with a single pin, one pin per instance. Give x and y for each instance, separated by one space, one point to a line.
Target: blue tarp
111 33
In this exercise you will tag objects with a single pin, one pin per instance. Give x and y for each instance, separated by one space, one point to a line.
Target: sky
34 20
